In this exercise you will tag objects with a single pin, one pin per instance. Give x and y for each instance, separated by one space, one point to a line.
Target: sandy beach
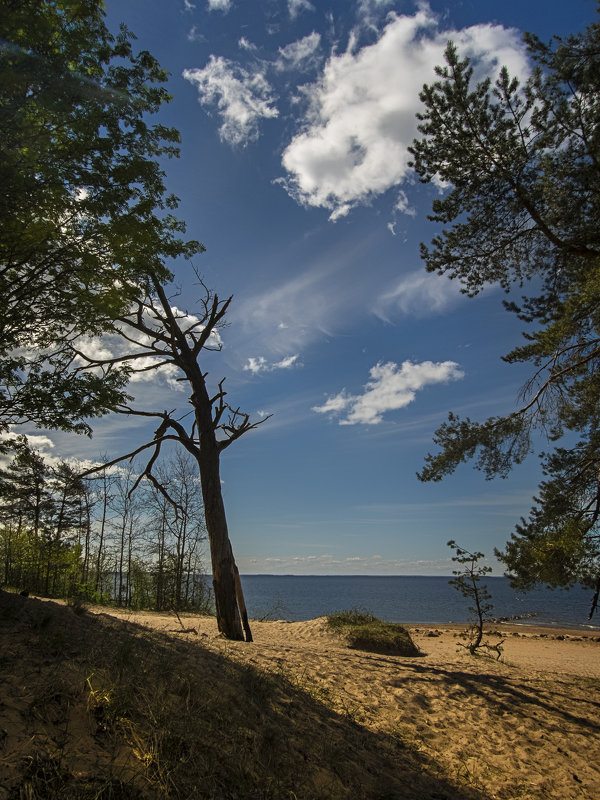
526 726
333 723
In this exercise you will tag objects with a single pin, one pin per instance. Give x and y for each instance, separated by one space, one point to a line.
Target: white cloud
296 7
243 98
219 5
187 6
260 364
418 294
403 206
361 119
245 44
145 369
330 564
286 317
368 8
296 54
390 388
194 36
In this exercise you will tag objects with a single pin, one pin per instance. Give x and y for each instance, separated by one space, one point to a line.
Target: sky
295 117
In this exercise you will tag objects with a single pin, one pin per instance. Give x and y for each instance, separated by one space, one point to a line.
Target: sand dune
334 723
523 727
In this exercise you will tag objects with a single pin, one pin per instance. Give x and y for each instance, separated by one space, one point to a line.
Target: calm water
409 599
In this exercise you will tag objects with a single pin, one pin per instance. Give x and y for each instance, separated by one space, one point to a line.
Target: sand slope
341 724
525 727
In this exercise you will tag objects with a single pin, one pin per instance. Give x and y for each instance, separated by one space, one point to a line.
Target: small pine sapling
467 582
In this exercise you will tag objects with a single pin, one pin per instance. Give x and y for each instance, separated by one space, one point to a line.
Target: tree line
93 540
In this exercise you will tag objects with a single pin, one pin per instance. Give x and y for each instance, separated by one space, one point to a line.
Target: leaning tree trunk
223 563
221 554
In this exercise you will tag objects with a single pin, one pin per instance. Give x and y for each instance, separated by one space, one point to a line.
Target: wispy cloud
296 7
297 55
390 388
418 294
289 316
331 564
245 44
258 365
243 97
353 143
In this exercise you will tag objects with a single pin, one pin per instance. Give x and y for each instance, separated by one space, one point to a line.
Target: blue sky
295 118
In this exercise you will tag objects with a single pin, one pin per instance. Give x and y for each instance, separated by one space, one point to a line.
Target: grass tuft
363 631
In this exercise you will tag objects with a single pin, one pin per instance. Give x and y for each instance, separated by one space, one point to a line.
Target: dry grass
93 707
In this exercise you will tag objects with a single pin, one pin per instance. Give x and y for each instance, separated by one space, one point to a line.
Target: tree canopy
520 167
84 211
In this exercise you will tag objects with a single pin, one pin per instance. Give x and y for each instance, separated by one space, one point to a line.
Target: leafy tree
84 213
521 165
41 514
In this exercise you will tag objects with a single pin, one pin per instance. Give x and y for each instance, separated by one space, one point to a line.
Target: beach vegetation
363 631
516 162
468 583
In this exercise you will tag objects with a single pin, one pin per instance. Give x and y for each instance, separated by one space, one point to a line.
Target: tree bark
221 554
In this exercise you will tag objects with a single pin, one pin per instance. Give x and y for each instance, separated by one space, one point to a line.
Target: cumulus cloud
354 142
297 55
260 364
296 7
390 388
417 294
219 5
243 97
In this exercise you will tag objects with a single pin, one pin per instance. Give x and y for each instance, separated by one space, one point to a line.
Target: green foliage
84 213
467 582
521 165
51 545
363 631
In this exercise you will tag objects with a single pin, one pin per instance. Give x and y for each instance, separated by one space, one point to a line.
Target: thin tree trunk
99 558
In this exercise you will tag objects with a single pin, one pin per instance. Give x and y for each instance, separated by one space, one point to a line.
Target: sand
526 726
443 724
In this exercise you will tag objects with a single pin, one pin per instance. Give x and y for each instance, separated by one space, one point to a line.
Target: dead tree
158 334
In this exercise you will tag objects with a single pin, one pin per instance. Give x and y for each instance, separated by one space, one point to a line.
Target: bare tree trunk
100 553
221 554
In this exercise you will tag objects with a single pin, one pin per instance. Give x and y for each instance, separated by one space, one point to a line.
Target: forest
93 540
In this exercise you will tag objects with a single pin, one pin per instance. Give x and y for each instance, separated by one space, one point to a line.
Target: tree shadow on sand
511 694
94 707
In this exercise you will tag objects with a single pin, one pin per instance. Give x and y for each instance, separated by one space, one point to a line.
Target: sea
410 599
